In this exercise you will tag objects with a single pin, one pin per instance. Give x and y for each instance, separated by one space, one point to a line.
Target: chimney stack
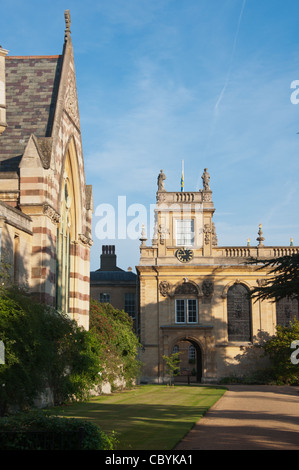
108 258
3 123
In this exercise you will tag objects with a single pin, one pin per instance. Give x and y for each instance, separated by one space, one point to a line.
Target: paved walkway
249 418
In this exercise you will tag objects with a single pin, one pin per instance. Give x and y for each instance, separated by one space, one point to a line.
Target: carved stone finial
67 17
260 238
206 180
160 181
143 236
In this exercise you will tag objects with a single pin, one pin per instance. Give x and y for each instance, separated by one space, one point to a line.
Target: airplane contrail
226 82
231 60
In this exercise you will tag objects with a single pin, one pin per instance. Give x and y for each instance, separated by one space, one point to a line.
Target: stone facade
191 291
112 284
46 205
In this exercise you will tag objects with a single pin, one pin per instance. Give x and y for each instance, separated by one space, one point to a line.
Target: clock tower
169 292
184 231
194 294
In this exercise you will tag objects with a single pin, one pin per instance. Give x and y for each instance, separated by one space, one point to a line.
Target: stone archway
190 370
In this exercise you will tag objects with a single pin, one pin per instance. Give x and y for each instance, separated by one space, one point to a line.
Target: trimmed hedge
38 431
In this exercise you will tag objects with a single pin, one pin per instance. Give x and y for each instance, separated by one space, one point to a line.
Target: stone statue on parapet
160 181
206 180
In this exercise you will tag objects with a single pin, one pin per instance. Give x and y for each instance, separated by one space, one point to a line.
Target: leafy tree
43 349
278 349
74 366
173 364
283 283
21 375
284 280
120 346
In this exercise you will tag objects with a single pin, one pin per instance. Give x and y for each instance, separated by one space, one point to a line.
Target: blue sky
161 81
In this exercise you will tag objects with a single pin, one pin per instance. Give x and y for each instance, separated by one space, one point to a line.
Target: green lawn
149 417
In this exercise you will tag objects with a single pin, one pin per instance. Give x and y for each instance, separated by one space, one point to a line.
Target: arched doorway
191 360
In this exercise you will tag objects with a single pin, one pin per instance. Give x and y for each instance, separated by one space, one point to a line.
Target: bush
278 349
47 350
258 377
38 431
119 344
43 349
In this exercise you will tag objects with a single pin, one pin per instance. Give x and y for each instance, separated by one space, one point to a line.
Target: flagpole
182 178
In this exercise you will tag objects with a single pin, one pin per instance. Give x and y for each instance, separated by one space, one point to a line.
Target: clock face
184 255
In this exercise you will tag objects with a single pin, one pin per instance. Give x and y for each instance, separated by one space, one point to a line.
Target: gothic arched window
63 252
68 231
287 310
238 313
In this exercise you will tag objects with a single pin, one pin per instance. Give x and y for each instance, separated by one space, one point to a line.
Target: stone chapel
45 205
193 294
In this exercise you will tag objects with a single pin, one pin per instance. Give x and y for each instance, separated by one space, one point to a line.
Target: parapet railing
265 251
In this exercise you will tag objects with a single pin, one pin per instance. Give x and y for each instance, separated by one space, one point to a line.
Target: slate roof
31 92
112 276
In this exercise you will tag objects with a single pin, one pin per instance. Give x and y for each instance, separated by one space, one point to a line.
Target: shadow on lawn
142 427
146 418
135 413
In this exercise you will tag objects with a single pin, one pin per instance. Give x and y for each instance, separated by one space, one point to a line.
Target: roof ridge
33 56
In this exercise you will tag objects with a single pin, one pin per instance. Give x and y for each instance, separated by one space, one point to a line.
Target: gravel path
249 418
